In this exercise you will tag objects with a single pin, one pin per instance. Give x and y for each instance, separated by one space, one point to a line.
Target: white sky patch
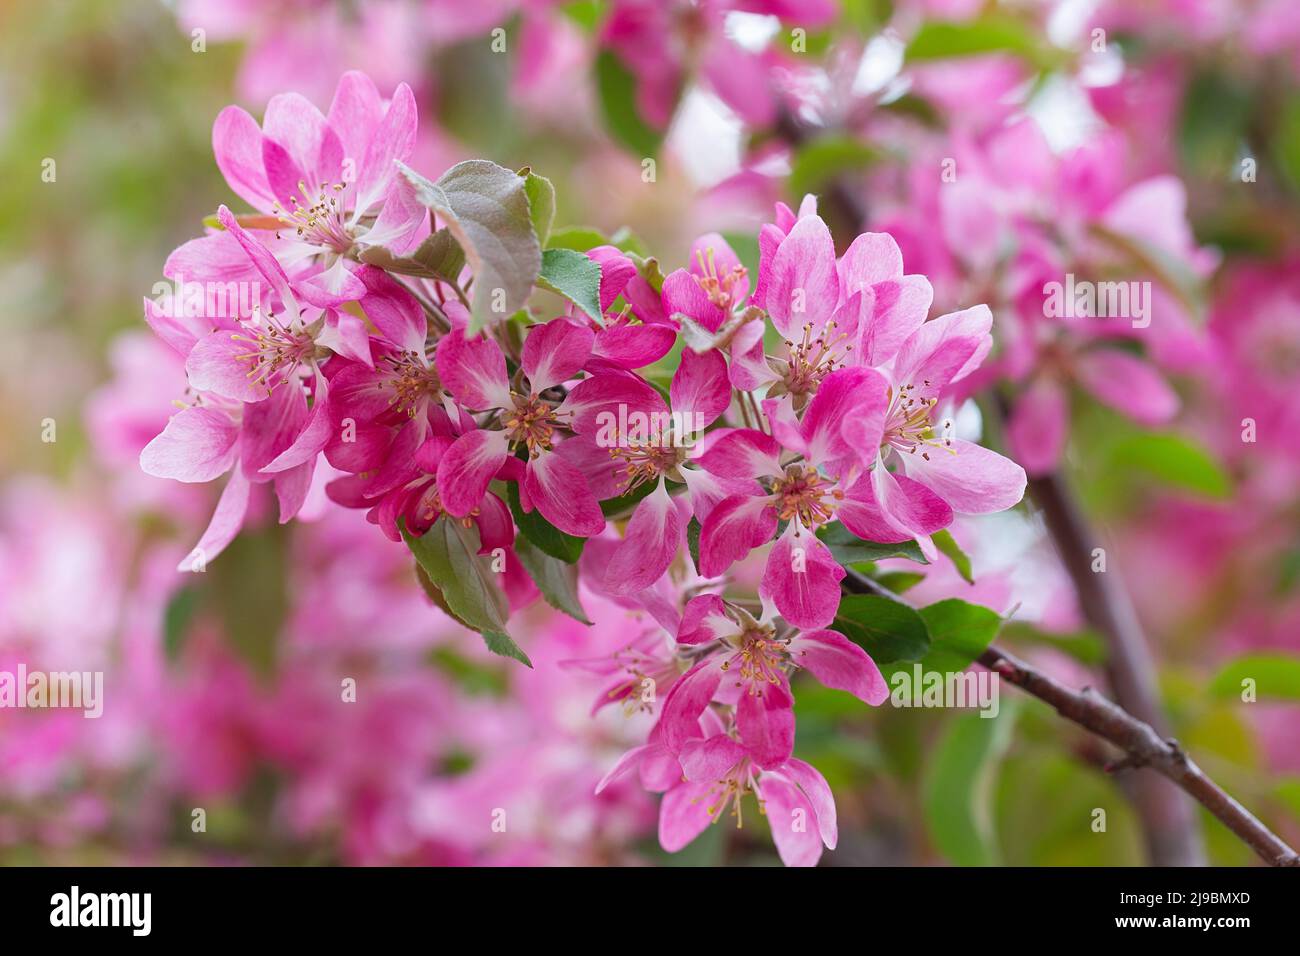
751 31
706 136
880 64
1068 20
968 423
1064 114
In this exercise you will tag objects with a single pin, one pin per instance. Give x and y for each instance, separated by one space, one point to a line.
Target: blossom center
646 462
909 424
412 382
814 357
760 658
273 349
319 221
532 423
719 287
730 791
801 495
645 674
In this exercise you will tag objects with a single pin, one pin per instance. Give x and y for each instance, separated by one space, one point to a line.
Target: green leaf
473 84
485 206
888 630
447 553
1087 647
900 581
1173 460
574 276
248 592
439 256
958 790
624 503
847 548
818 162
948 546
498 642
177 618
548 538
959 633
541 204
579 238
1276 676
470 676
556 579
940 39
693 542
1286 140
616 87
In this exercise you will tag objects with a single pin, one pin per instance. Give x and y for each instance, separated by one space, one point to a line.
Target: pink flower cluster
820 394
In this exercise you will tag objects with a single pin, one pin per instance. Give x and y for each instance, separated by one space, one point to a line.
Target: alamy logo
82 690
926 688
635 428
133 910
1082 299
179 299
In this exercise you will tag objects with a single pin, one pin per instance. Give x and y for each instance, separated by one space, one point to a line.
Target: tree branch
1169 822
1142 745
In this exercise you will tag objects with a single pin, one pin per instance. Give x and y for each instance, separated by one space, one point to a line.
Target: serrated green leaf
448 554
888 630
847 548
574 276
958 788
485 206
959 633
541 204
556 579
1275 676
548 538
439 256
498 642
616 87
949 548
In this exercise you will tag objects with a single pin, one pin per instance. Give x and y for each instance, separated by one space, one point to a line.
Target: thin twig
1169 822
1141 745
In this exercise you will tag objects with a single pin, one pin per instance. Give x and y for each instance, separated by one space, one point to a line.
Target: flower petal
225 524
742 453
237 145
733 528
1128 385
555 352
840 664
802 578
972 479
473 370
468 467
803 286
653 537
198 444
700 388
560 492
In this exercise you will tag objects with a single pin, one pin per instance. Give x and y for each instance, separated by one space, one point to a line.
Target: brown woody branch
1142 747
